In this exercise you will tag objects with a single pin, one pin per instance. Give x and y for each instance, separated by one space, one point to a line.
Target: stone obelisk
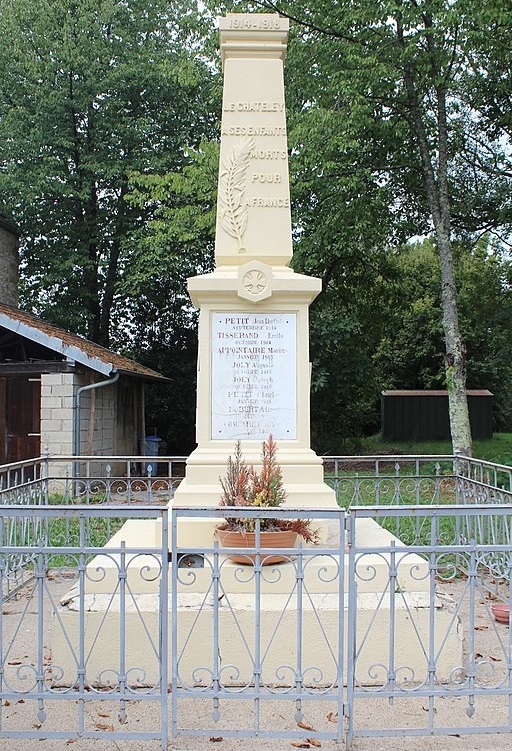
253 364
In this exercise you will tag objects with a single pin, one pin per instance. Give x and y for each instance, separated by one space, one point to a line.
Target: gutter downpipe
76 434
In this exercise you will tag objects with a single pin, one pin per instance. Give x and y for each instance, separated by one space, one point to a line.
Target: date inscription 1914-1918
255 23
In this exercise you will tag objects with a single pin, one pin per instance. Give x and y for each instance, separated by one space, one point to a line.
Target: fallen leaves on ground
332 717
305 726
104 726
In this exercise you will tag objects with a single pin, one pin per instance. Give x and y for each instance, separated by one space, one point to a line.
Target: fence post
348 711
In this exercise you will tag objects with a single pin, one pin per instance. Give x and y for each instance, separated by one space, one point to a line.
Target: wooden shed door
20 418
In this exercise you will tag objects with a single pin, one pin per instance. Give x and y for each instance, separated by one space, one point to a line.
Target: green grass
66 533
498 449
98 531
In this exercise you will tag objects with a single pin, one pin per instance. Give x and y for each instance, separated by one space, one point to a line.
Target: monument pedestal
253 377
253 380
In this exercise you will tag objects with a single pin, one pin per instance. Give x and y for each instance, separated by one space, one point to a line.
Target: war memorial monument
254 380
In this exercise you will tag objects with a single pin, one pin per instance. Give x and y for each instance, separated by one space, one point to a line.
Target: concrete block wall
57 397
57 400
102 438
57 415
114 427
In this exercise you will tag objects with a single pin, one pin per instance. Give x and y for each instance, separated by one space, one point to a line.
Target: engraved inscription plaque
254 391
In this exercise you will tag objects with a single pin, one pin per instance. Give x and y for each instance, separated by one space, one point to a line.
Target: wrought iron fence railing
357 481
388 480
53 646
459 577
91 479
485 473
335 626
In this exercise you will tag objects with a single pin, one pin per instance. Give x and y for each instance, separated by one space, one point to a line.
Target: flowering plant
247 486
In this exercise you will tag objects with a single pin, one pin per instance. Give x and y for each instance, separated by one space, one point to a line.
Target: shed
65 393
422 415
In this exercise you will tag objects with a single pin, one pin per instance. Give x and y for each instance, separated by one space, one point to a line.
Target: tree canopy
399 127
90 92
391 96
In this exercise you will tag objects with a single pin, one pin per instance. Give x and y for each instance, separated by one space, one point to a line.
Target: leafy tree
408 353
175 242
484 277
92 91
384 86
486 82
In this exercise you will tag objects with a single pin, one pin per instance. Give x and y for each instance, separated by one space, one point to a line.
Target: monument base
319 621
302 472
397 623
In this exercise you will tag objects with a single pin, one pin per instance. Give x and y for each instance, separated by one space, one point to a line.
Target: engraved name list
253 376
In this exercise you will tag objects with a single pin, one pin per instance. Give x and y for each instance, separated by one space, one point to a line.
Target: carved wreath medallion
254 282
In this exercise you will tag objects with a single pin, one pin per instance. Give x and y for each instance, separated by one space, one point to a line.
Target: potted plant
262 488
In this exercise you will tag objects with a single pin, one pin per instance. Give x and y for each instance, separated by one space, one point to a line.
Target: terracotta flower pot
278 539
500 611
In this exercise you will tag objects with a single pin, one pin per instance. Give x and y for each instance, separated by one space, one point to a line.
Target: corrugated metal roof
72 346
435 392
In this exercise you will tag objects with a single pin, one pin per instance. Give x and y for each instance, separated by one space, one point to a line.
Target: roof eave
142 376
69 351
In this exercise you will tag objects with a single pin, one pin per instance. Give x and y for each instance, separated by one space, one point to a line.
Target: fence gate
260 645
423 586
87 630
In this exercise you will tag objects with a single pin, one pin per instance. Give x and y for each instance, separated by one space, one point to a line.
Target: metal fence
363 621
91 479
357 622
62 480
75 631
454 697
357 480
389 617
363 480
255 635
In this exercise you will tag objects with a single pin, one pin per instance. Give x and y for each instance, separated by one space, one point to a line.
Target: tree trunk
439 202
455 361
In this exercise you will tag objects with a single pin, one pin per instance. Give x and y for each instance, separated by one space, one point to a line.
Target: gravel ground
490 645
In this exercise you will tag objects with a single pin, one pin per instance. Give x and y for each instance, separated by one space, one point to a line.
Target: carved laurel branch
232 184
